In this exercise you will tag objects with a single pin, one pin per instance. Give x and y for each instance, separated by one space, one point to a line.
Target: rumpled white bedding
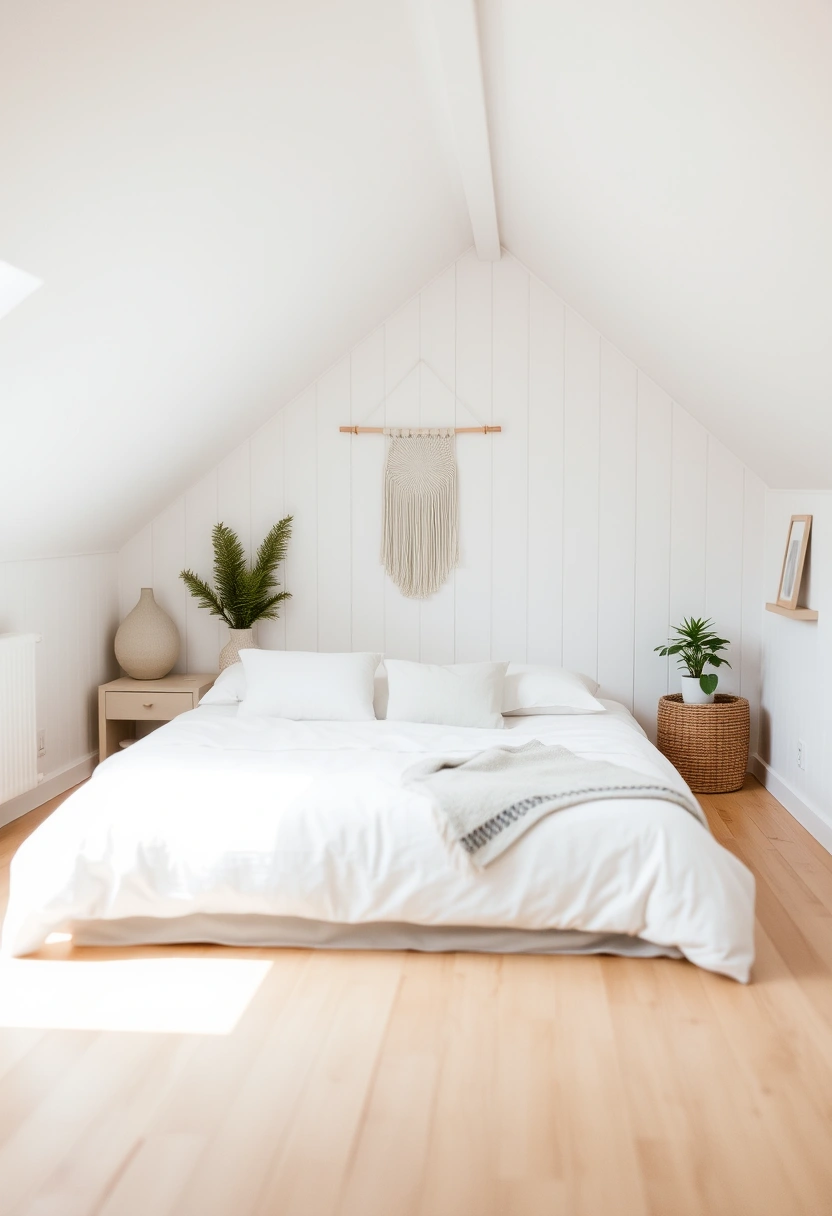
215 815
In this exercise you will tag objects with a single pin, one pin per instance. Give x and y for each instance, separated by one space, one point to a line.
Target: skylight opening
15 286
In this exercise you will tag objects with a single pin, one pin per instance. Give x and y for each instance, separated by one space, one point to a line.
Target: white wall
645 194
601 512
72 603
216 240
797 668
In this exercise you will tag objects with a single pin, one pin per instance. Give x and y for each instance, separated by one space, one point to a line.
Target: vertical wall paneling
234 493
87 587
437 382
616 524
366 460
510 460
168 538
545 497
301 492
334 527
472 585
401 349
580 495
437 326
203 629
724 560
653 499
135 569
103 625
402 380
753 595
267 507
599 514
688 519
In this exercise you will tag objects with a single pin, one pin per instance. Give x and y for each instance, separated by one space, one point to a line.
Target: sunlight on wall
152 995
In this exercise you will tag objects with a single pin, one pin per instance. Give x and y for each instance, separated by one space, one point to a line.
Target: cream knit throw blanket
420 543
484 803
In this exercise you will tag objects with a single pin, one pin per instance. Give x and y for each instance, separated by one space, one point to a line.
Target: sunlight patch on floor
155 995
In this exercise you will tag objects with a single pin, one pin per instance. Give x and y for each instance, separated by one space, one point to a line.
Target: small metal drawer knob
147 704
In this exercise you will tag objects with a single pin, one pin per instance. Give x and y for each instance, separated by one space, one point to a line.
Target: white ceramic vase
147 640
238 639
692 694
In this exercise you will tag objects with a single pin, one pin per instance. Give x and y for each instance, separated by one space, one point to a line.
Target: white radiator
18 717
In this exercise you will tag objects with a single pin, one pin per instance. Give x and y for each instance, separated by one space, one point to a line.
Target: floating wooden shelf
797 614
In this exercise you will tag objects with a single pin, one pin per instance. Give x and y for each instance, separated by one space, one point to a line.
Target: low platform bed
300 932
265 831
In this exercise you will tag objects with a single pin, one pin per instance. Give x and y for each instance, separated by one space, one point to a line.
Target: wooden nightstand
124 702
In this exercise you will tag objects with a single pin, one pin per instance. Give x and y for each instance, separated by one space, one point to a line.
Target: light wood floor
460 1085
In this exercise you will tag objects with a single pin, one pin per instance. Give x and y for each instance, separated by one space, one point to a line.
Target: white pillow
229 688
308 686
532 689
465 694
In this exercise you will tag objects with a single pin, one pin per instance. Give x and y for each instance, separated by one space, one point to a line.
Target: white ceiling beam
457 35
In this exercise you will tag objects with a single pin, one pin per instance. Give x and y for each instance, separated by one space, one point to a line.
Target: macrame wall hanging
420 541
420 528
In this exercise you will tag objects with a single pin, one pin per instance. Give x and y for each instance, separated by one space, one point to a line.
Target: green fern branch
203 594
243 594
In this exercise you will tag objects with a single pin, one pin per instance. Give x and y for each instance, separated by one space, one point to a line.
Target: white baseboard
805 815
54 784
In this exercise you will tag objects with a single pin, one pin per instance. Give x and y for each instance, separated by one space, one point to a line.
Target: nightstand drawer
147 706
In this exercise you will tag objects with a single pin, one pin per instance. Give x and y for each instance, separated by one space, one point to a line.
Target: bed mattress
299 932
213 816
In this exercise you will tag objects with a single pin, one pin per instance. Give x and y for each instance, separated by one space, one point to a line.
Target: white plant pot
692 694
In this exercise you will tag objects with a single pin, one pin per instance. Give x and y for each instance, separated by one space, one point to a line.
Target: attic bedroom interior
415 609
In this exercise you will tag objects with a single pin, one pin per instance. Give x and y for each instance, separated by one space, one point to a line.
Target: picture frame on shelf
794 559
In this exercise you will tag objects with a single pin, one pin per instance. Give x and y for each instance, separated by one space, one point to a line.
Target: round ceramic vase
147 641
238 639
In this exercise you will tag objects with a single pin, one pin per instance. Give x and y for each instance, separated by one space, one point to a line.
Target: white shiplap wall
72 602
797 668
602 511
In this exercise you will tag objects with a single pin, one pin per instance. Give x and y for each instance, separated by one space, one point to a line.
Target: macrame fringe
420 544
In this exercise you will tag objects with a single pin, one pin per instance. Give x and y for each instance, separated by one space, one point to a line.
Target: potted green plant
242 593
697 647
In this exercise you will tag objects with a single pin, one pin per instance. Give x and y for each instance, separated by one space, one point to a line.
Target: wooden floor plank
317 1144
84 1177
427 1085
154 1177
381 1179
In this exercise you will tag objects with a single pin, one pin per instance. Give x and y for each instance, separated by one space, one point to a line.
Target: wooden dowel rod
459 430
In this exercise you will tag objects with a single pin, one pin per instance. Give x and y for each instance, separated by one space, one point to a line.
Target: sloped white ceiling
666 166
220 199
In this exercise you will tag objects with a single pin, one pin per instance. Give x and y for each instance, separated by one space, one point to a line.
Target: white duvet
215 815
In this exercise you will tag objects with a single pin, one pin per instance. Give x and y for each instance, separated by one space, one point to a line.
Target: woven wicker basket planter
707 744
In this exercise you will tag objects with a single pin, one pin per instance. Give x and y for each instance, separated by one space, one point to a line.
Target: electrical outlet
41 742
801 754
